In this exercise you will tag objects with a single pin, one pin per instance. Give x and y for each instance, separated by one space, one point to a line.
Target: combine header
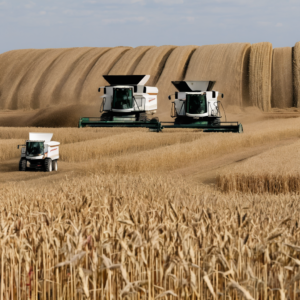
127 102
196 106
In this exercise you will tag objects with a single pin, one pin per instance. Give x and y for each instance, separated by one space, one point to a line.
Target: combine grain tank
39 153
126 102
196 105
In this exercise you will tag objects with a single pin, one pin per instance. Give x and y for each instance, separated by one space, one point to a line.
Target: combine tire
54 165
22 164
48 165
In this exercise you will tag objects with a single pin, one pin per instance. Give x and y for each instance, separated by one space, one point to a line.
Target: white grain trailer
39 153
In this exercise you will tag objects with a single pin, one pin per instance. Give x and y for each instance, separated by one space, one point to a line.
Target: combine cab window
34 148
122 99
196 104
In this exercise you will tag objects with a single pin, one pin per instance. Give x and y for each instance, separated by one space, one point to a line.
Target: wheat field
132 214
263 173
145 237
134 150
119 221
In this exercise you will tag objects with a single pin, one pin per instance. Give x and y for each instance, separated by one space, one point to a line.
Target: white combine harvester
127 97
196 105
127 102
39 153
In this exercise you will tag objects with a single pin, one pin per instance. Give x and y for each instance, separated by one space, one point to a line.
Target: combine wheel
54 165
48 165
22 164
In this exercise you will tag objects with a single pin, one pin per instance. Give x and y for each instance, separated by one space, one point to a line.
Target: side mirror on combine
222 95
169 97
99 90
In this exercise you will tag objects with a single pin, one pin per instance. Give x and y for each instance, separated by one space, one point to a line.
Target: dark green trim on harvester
153 125
220 127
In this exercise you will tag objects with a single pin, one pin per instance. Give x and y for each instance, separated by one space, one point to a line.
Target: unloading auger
127 102
196 105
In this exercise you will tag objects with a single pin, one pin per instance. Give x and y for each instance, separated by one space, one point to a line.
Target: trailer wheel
54 165
22 164
48 165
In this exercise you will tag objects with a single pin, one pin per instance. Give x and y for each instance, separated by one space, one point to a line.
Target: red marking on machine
53 149
152 99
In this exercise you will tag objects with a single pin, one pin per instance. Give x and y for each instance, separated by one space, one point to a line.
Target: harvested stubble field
122 220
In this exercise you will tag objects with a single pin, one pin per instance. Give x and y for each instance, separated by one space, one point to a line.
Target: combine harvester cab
127 102
39 153
196 105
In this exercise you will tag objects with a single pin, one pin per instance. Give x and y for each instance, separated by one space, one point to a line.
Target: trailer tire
22 164
48 165
54 165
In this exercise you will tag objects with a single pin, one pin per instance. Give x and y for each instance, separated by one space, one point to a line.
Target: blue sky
99 23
